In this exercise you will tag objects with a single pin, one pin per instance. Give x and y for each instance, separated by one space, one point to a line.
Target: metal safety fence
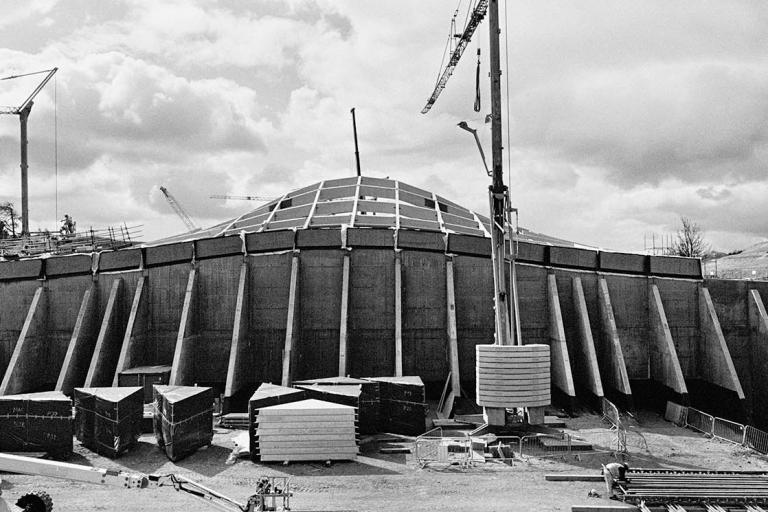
725 430
434 448
611 415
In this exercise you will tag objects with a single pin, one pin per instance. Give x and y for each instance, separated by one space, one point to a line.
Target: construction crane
242 198
191 226
23 112
273 493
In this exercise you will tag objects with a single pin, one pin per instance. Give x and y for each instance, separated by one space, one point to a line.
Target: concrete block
315 238
467 244
219 246
360 237
24 269
68 265
675 266
183 419
572 257
532 253
623 262
422 240
270 241
167 254
119 260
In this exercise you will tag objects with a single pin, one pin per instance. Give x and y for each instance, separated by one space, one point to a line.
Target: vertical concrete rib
586 353
715 363
343 327
75 366
292 323
398 315
22 368
562 377
106 352
758 331
239 347
183 367
453 338
665 366
135 336
613 368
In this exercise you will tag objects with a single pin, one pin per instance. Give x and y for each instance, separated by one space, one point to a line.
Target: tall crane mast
23 112
191 226
506 321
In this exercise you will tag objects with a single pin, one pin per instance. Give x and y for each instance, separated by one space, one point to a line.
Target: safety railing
726 430
545 445
611 413
434 448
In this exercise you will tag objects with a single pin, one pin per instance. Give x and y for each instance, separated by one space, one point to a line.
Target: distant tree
10 218
690 240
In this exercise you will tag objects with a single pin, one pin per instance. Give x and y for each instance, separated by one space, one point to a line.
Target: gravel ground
379 482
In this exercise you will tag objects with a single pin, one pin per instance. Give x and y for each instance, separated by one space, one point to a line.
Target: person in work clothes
615 474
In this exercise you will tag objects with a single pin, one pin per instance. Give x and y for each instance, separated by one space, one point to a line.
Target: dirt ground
379 482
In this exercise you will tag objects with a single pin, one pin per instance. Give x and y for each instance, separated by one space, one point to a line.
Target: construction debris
183 419
36 422
309 430
108 420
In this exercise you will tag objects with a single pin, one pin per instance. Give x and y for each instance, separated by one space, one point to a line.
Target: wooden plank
291 327
21 372
665 365
566 477
715 362
398 315
81 343
586 343
183 366
343 337
453 339
239 346
135 331
613 368
562 378
99 371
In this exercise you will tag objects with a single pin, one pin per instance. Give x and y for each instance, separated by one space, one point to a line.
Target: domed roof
353 202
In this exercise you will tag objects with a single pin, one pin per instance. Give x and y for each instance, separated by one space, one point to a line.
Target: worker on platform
3 230
67 225
615 474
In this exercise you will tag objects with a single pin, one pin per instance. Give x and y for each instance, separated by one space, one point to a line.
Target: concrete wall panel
167 286
270 241
15 300
68 265
675 266
359 237
572 257
25 269
109 261
532 253
218 247
470 245
317 238
629 298
532 302
320 278
421 240
624 263
424 316
681 305
168 254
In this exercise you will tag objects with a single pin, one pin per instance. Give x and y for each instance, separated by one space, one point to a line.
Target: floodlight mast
23 112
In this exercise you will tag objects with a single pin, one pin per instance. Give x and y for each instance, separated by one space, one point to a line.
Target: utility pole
357 152
505 334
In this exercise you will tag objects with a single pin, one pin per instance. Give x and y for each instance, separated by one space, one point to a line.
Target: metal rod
357 152
23 116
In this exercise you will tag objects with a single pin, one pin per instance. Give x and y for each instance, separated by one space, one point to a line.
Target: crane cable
477 82
56 144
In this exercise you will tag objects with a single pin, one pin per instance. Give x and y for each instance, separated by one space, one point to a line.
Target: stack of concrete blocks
183 419
308 430
403 404
343 390
510 376
36 422
108 420
267 395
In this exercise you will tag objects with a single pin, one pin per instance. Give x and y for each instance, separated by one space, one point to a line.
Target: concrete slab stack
361 394
108 420
403 404
183 419
36 422
513 376
306 430
146 377
267 395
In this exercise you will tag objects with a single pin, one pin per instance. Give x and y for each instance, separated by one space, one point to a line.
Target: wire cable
506 83
56 145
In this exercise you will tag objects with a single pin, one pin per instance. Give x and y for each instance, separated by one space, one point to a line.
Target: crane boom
242 198
477 16
191 226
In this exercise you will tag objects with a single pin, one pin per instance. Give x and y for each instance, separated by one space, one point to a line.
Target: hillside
750 263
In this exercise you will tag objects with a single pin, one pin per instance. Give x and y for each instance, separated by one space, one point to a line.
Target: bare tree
690 240
10 218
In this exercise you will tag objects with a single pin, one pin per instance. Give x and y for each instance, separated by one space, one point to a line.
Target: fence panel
676 413
728 431
700 421
545 445
756 439
611 412
433 448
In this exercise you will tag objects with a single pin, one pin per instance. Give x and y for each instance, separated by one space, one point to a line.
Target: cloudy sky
624 115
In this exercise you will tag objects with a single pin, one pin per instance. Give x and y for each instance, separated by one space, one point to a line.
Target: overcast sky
624 115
